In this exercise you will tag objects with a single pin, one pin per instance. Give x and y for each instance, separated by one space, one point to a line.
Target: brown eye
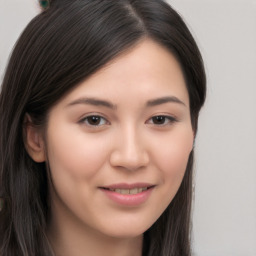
94 120
159 119
162 120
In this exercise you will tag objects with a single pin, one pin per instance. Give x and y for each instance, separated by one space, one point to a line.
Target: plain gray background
224 216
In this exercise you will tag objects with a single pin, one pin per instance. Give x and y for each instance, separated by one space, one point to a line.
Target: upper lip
128 186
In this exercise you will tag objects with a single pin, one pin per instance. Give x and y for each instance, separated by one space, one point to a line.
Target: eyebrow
107 104
164 100
94 102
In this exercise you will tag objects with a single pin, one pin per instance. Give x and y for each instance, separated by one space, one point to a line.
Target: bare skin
128 125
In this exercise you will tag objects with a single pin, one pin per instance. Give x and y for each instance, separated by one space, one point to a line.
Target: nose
130 151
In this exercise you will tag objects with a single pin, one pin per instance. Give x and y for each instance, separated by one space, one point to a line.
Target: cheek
77 156
172 156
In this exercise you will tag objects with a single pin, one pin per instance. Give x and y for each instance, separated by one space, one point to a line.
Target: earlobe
33 140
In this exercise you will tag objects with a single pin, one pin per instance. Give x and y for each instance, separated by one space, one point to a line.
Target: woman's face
118 144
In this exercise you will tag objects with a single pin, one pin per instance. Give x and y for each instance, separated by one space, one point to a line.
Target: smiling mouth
126 191
132 191
130 195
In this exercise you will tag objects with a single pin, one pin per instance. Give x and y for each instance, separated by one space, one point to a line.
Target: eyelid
169 118
172 119
83 119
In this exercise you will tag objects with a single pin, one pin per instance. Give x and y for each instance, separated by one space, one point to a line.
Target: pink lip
128 199
129 186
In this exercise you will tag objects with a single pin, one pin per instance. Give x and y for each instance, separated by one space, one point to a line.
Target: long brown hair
59 48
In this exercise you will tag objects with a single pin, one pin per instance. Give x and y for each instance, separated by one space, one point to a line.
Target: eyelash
168 120
85 120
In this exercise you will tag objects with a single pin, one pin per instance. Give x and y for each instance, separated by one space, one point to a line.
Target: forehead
148 69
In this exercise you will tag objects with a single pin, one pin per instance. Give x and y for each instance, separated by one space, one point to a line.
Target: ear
34 140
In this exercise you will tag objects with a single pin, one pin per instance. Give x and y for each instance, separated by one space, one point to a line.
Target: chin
131 230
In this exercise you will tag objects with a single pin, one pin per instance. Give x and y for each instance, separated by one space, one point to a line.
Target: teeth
132 191
122 191
135 191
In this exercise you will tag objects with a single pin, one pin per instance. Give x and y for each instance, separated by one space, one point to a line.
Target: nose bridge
132 142
130 150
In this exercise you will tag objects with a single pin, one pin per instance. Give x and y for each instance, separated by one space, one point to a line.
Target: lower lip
128 199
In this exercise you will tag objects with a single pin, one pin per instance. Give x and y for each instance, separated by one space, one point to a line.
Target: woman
99 108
